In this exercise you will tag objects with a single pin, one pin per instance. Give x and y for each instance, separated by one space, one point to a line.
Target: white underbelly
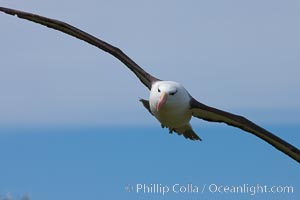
173 118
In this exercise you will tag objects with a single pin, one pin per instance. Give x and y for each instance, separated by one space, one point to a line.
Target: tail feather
187 132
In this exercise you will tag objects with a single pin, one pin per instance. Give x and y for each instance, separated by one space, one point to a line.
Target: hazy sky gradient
236 55
241 56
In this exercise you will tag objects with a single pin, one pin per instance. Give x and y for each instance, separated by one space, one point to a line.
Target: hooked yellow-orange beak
162 100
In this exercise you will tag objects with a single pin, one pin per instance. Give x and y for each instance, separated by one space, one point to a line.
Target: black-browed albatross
169 102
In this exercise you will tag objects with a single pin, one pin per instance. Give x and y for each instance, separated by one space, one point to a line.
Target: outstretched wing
215 115
144 77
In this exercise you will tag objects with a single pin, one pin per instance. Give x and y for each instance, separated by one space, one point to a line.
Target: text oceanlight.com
164 189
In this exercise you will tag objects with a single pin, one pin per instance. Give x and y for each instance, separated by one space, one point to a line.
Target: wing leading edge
146 78
208 113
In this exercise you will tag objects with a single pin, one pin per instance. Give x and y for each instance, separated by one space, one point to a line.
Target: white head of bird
169 103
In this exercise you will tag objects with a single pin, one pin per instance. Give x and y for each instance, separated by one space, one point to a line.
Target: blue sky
66 115
236 56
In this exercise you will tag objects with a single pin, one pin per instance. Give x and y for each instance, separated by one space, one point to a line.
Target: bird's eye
172 93
158 90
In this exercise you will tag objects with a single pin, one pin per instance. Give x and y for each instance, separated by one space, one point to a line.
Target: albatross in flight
170 103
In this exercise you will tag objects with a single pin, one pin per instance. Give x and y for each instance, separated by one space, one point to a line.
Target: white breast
176 111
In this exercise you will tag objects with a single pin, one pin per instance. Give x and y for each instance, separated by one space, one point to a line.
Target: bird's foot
171 130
